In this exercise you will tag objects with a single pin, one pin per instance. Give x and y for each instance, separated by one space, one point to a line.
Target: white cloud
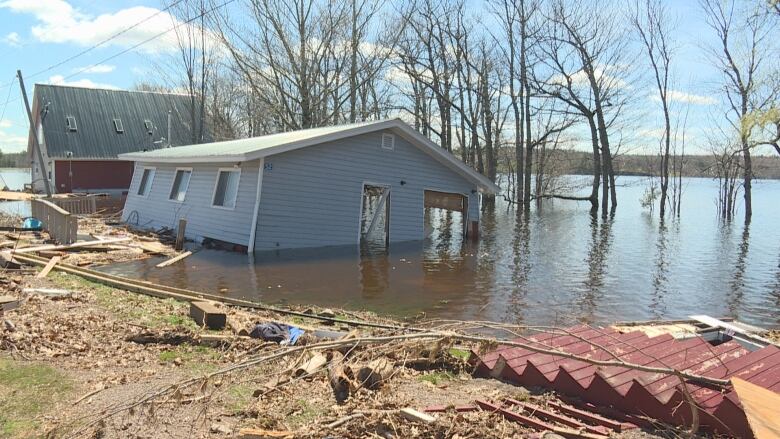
688 98
10 142
97 68
5 123
13 39
59 22
86 83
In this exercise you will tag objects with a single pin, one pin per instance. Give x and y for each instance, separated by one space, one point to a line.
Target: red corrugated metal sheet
631 391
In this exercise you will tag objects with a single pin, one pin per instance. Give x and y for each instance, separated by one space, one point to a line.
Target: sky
36 36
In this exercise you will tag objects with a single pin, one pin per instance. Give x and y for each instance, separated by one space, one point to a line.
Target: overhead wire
131 48
100 43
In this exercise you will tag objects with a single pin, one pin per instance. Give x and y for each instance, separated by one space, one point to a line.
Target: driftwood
340 377
313 364
373 375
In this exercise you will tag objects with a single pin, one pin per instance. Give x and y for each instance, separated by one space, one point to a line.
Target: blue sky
36 34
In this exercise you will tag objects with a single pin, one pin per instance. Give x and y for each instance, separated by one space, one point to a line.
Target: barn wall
311 197
91 175
203 221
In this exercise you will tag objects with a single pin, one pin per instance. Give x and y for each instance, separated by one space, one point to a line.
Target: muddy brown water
557 265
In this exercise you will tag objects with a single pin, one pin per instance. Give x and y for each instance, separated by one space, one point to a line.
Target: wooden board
16 196
72 246
8 303
52 262
761 407
173 260
205 313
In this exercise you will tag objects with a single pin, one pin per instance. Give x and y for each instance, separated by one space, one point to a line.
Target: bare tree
653 26
743 57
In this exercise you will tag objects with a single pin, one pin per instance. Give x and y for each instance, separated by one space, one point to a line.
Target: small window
180 184
118 126
146 182
149 127
388 141
70 121
226 188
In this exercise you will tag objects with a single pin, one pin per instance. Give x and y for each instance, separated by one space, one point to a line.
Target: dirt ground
68 369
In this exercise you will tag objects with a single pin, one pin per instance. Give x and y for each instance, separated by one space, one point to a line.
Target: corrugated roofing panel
636 391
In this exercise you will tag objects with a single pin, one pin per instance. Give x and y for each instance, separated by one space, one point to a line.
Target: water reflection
600 243
558 264
737 291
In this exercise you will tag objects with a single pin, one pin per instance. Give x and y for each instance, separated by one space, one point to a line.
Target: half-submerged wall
156 210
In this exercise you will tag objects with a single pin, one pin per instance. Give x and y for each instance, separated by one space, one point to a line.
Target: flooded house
342 185
83 130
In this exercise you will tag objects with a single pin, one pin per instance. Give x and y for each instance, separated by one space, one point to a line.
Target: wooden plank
8 303
180 234
72 246
205 313
52 262
413 415
257 433
748 337
173 260
760 407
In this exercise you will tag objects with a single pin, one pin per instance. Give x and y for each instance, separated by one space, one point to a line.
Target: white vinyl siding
180 184
226 188
203 221
147 179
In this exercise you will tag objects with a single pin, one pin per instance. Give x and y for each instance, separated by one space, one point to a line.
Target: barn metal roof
253 148
94 111
647 393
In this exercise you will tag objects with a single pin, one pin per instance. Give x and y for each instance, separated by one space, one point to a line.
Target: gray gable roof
94 111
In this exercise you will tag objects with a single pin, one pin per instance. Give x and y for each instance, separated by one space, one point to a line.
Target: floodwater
15 179
556 266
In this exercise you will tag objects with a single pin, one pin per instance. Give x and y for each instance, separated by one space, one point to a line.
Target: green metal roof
254 148
240 148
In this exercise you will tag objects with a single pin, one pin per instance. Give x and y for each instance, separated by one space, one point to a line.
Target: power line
95 46
7 100
202 14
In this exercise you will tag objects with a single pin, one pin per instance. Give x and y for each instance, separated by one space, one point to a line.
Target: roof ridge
118 90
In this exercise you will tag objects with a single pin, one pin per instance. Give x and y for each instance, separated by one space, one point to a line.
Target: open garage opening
446 218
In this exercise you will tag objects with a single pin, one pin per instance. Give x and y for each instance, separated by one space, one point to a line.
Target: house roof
94 111
254 148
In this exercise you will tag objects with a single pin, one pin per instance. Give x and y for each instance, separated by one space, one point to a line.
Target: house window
118 126
70 122
149 127
146 182
226 188
180 184
388 141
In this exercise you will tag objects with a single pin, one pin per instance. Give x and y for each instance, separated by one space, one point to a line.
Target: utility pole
34 131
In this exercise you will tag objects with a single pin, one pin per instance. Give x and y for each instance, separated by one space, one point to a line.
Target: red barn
82 130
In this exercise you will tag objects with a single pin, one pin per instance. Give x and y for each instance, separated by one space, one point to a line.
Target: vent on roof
70 122
149 127
388 141
118 126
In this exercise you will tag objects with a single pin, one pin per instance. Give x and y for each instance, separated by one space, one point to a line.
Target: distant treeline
13 160
578 162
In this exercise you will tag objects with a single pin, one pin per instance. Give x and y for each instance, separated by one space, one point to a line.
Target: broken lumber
8 261
71 246
375 373
180 234
205 313
52 262
173 260
8 303
413 415
257 433
52 292
311 365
